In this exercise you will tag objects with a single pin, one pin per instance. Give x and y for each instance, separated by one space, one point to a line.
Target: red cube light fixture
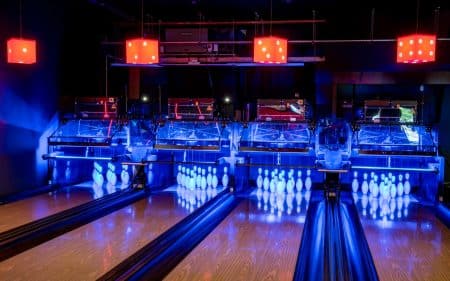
417 48
21 51
270 50
142 51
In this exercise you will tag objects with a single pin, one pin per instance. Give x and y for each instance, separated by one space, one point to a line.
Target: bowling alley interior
224 140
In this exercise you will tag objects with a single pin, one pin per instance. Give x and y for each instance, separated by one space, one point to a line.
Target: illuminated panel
270 50
21 51
417 48
142 51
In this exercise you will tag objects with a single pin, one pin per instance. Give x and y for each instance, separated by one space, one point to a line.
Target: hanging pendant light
142 50
416 48
270 49
21 50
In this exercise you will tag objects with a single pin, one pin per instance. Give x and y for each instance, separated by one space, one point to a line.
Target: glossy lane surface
406 240
88 252
27 210
250 244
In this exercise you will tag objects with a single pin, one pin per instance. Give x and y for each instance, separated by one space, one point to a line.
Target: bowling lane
90 251
406 240
27 210
257 241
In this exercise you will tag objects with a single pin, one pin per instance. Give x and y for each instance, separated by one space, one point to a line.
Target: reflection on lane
250 243
280 203
406 240
383 209
91 250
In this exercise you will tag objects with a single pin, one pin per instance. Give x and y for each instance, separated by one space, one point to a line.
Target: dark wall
28 93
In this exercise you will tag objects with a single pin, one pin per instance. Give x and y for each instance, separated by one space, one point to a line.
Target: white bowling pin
299 183
203 180
355 184
407 185
113 176
273 183
209 177
393 187
68 171
308 181
225 178
400 187
124 176
179 176
281 184
290 184
259 179
183 176
365 185
215 180
266 182
375 189
108 173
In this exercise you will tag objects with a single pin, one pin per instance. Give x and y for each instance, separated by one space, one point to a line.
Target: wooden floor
248 245
91 250
24 211
415 246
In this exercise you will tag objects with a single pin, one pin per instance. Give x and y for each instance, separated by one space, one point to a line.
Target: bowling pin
215 180
308 182
183 176
203 180
375 189
124 176
113 176
266 181
198 179
299 183
259 179
400 188
365 185
281 184
273 182
355 184
225 178
179 176
55 172
393 188
209 177
68 171
290 184
407 185
108 173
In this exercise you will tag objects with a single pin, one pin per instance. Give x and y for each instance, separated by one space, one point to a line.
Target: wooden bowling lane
90 251
414 245
248 245
27 210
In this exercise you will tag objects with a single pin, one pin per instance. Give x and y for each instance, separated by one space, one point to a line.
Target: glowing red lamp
270 50
142 51
417 48
21 51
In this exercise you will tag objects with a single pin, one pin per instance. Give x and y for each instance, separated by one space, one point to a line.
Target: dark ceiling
344 19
